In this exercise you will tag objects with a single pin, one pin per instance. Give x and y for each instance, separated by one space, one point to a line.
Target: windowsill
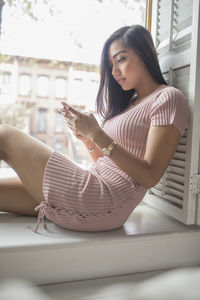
79 255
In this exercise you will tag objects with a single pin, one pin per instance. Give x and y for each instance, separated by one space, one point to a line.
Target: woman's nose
115 70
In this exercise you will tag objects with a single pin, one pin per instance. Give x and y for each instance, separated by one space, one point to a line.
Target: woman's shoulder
170 89
170 107
169 94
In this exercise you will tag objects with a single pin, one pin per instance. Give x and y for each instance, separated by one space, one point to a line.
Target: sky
76 31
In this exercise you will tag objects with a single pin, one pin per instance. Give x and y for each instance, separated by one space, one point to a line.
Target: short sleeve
170 108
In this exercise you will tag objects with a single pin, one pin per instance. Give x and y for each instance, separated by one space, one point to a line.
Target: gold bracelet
92 149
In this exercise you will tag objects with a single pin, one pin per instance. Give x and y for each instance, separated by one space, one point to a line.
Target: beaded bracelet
92 149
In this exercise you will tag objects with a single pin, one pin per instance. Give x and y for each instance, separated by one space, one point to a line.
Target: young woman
144 119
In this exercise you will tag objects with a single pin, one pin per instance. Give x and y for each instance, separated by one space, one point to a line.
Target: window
77 87
43 86
24 84
59 123
7 83
61 87
42 116
58 145
69 72
7 78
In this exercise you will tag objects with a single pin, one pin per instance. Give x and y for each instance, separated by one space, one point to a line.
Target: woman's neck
144 92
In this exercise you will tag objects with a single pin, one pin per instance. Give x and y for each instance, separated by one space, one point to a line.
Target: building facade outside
39 86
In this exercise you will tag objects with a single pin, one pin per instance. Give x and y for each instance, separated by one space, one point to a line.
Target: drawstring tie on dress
42 210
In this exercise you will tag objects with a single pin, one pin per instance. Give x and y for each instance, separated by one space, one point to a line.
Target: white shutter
176 34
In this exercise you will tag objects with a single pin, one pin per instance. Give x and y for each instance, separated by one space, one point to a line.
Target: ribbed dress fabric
103 196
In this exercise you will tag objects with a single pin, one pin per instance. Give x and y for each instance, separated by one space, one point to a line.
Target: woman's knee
6 134
5 130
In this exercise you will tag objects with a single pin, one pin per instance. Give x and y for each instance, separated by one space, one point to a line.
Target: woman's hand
83 125
63 112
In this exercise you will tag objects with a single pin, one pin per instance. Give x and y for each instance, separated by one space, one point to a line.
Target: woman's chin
126 89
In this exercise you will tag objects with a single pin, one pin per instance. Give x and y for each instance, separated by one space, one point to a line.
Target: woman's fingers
71 109
61 111
64 104
69 117
70 126
84 124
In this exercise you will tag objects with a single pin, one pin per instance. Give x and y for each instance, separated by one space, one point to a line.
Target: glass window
69 72
24 84
61 87
76 94
42 116
43 86
7 78
59 123
58 145
7 83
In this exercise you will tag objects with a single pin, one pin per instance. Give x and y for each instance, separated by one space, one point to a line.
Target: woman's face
127 67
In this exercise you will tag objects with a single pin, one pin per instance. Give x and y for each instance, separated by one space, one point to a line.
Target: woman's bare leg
28 157
15 199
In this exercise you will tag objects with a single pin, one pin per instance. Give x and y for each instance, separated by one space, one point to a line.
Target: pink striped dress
103 196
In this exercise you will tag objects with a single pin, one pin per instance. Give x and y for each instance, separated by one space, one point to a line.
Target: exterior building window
61 87
7 83
42 116
24 84
43 86
58 145
59 123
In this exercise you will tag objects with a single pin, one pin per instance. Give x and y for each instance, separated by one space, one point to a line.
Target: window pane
43 86
59 123
24 84
6 78
58 146
83 87
42 114
64 67
7 83
61 88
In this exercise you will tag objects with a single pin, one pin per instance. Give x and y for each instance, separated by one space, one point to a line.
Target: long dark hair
111 98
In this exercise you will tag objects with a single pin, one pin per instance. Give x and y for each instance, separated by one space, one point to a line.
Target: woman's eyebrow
121 51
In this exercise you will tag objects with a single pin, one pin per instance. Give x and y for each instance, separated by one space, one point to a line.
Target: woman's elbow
151 180
148 182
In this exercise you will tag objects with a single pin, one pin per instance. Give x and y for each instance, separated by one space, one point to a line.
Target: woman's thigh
27 156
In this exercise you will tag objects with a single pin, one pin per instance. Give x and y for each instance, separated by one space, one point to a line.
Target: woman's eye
121 59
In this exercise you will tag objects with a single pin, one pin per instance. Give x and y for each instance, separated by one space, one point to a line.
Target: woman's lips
121 81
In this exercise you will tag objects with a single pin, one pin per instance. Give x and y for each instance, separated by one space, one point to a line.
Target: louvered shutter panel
175 30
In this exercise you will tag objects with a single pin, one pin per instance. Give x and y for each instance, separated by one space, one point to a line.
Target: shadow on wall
181 284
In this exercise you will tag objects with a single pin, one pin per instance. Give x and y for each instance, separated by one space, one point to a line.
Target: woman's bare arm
94 154
161 145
